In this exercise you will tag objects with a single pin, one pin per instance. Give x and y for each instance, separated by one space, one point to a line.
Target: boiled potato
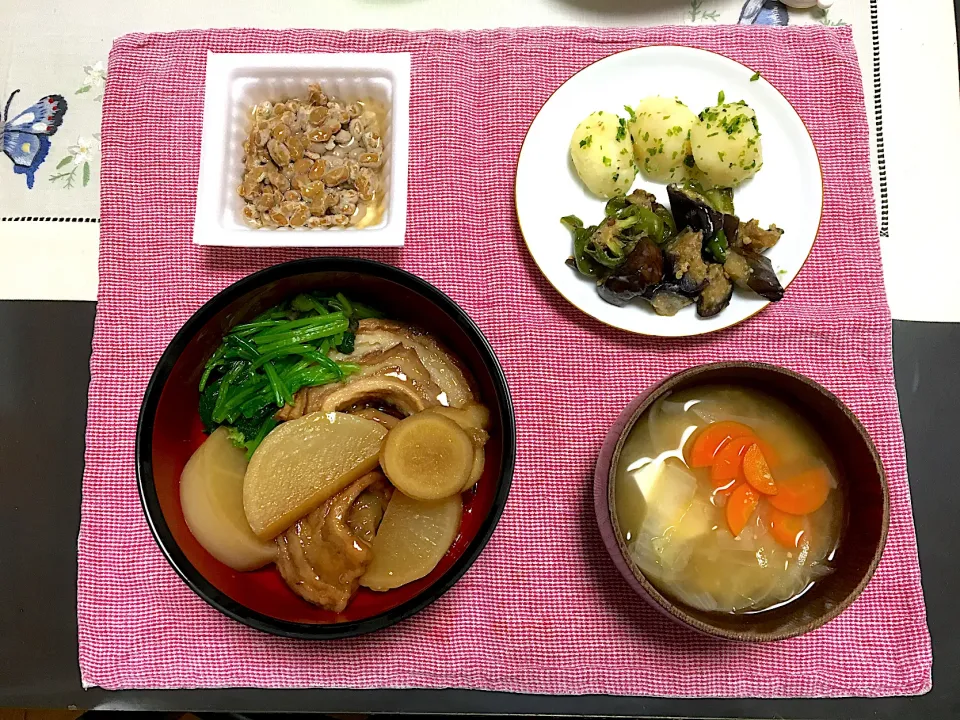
413 537
661 138
303 463
428 456
726 144
211 495
600 150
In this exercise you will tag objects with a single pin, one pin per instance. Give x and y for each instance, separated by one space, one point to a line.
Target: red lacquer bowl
169 431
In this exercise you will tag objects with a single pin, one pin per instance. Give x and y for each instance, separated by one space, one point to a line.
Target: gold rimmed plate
788 190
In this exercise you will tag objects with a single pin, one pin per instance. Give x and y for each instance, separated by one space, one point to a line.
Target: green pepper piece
650 224
581 236
615 205
608 245
669 226
717 247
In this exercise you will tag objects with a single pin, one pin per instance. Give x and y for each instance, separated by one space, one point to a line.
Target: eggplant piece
684 262
716 294
738 268
691 210
754 237
753 271
666 298
642 268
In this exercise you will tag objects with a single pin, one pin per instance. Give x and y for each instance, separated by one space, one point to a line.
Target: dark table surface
44 353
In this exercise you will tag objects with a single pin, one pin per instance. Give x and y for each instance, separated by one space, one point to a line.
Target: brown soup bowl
169 431
860 475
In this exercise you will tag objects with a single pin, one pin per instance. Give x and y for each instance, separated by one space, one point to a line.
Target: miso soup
728 500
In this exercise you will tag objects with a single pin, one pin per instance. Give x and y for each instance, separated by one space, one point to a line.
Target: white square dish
235 83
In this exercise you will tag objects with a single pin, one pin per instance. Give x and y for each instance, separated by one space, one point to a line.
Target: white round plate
788 190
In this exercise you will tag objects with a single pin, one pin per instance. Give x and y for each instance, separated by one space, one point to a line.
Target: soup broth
728 500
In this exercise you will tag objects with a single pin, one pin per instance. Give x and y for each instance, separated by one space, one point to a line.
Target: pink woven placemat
543 610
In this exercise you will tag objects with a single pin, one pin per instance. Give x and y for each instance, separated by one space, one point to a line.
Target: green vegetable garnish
346 345
755 76
721 97
261 364
622 129
248 433
586 141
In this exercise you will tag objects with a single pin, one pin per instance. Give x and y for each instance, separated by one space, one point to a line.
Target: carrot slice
803 493
769 452
728 462
788 530
709 440
743 501
757 472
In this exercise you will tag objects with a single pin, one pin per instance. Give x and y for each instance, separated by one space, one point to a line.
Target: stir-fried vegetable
600 249
637 253
261 364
